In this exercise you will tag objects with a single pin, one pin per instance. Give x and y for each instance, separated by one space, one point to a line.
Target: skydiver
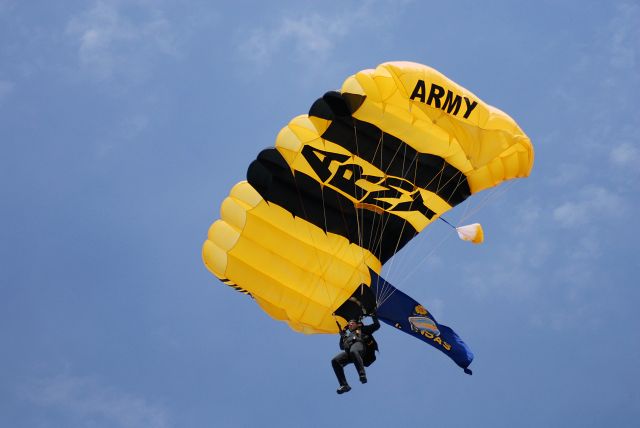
358 347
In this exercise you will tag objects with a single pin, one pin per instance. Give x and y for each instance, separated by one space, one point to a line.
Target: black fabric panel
381 233
388 153
361 302
334 104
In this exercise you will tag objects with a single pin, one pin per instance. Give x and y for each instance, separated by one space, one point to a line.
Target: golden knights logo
421 322
423 325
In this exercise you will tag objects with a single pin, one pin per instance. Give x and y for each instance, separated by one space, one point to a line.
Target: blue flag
402 312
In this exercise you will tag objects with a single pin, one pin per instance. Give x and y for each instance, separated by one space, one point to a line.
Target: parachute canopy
349 184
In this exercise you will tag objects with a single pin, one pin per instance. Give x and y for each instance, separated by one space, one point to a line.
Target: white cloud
567 173
584 248
607 110
512 272
527 216
111 42
625 37
570 290
312 36
507 281
306 37
625 154
590 205
571 214
578 315
86 400
542 274
551 264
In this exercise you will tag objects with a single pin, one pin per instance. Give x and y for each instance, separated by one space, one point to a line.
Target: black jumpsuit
353 345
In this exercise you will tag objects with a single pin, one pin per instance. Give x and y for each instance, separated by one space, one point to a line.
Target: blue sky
123 125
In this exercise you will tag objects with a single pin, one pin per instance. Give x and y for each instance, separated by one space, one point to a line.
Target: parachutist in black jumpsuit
353 341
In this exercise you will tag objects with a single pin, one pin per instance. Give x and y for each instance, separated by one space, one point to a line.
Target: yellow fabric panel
415 126
286 293
290 145
215 258
440 143
275 312
224 235
474 141
274 279
245 194
234 210
333 261
300 131
281 225
295 271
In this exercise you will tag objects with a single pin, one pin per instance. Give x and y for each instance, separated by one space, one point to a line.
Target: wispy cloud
625 37
626 155
568 173
608 96
546 257
305 38
591 205
111 42
595 175
87 401
512 272
313 35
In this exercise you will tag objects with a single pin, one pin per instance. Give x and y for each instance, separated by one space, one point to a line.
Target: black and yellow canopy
349 184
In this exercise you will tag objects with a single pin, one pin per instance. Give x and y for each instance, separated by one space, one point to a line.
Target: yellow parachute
349 184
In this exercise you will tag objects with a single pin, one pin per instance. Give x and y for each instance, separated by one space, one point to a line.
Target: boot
343 389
